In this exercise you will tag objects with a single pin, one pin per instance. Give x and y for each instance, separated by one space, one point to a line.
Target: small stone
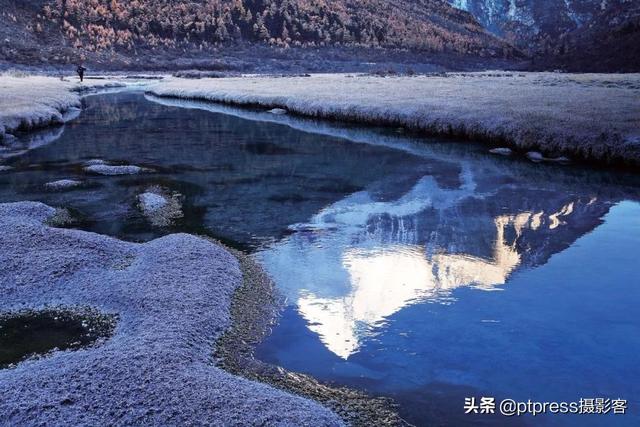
115 170
151 202
160 206
503 151
63 184
535 156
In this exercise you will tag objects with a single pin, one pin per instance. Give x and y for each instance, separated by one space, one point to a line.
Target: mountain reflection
360 260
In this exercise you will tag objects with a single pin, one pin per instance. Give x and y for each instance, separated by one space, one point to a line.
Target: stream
424 270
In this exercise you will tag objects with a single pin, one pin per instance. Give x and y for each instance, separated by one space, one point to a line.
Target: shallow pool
423 270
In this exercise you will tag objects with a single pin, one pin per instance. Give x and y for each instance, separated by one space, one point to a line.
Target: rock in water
103 169
63 184
151 202
535 156
160 206
503 151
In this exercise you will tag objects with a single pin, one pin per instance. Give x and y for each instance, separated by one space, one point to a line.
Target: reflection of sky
347 270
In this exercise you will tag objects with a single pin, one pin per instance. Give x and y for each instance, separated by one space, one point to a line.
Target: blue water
423 270
557 332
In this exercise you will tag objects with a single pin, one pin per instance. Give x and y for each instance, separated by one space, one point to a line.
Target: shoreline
613 140
555 114
34 102
254 310
38 107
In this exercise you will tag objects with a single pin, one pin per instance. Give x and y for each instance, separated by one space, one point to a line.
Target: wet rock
535 156
62 217
151 202
105 169
503 151
160 206
63 184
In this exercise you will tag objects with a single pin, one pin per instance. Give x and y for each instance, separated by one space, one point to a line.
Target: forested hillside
127 26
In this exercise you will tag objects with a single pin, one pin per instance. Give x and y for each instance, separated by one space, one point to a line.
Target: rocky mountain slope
62 30
595 35
610 42
524 21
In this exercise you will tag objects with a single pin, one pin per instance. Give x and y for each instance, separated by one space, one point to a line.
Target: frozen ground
589 116
172 297
29 102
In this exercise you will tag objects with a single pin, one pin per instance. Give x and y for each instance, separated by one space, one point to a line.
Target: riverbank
585 117
29 102
34 101
172 298
592 117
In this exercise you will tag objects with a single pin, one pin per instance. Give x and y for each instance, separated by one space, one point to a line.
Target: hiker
80 70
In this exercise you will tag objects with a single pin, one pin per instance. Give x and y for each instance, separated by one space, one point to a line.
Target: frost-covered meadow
30 101
172 299
590 116
34 101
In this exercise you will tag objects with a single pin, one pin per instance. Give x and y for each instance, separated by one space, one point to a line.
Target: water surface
423 270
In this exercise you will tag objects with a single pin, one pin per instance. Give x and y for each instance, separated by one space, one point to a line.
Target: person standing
80 70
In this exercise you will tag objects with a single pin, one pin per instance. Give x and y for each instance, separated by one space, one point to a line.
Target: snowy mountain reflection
361 259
